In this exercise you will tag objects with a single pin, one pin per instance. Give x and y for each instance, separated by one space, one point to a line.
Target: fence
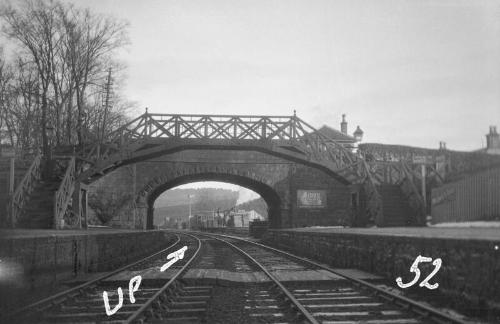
475 197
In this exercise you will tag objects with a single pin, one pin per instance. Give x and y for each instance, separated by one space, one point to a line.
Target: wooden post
84 206
11 192
424 194
11 176
80 203
77 203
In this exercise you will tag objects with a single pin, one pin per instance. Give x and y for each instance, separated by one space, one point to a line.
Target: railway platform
468 275
37 261
491 234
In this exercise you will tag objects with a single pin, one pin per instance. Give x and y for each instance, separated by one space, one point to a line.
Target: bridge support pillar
140 216
150 217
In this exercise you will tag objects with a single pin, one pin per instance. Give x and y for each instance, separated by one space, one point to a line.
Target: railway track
153 301
341 302
180 297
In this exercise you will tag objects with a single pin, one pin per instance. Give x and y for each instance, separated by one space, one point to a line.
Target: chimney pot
343 125
492 139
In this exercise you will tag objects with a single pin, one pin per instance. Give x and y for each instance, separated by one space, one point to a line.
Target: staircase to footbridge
373 186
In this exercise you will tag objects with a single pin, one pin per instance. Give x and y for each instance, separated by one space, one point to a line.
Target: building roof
488 150
336 135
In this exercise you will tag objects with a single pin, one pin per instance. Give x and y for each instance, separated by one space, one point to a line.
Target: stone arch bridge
276 180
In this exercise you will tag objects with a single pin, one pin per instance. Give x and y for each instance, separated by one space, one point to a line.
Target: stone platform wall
31 264
468 278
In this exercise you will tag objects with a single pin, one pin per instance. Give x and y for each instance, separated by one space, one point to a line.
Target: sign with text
311 198
422 159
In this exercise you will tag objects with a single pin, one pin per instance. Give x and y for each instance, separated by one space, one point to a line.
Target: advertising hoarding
311 198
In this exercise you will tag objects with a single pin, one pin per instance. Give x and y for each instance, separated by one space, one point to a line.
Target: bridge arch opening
208 204
268 194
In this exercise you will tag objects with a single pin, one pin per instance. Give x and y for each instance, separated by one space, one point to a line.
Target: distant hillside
177 197
175 203
259 205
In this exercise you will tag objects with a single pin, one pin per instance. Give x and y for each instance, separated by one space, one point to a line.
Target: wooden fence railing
24 189
63 195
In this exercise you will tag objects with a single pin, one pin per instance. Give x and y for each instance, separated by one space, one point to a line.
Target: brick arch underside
260 185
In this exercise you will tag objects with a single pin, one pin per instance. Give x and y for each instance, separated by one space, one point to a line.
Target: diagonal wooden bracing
276 132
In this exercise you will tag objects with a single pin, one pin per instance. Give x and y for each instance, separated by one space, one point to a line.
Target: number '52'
414 268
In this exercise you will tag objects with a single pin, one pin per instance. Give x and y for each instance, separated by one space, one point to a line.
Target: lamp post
189 199
358 134
358 137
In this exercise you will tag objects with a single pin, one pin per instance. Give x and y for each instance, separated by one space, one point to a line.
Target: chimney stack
493 139
442 145
343 125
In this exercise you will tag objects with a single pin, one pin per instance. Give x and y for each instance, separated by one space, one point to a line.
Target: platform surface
458 233
31 233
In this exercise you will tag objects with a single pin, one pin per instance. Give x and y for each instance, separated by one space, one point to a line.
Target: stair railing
24 189
374 200
63 195
411 191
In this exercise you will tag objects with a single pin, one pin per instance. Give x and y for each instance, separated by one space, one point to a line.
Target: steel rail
401 301
66 293
308 316
153 298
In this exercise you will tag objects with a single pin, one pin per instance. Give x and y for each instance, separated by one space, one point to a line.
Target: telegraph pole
107 100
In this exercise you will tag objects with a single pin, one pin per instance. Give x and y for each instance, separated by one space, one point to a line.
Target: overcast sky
408 72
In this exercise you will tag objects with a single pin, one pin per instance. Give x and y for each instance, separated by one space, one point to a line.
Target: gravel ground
215 255
228 306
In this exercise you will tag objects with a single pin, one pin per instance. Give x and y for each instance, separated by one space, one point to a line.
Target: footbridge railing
280 130
401 174
24 189
64 193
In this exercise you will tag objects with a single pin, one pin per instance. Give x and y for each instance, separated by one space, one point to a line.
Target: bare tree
6 76
64 55
90 40
35 27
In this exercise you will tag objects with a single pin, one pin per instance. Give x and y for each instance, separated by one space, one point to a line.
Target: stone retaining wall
468 278
31 264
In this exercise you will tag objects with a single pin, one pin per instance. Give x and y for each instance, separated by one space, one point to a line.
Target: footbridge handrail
20 196
290 131
63 195
399 173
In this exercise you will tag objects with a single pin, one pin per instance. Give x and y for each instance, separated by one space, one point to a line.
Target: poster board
311 198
